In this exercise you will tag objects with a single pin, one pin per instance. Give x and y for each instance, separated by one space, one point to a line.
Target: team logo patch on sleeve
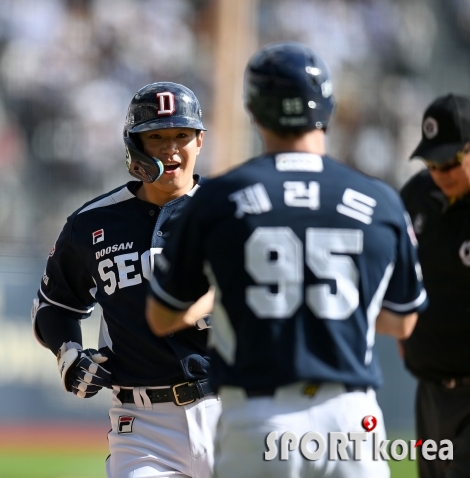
125 423
98 236
410 230
45 278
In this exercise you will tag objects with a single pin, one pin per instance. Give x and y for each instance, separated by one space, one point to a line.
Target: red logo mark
98 236
369 423
419 442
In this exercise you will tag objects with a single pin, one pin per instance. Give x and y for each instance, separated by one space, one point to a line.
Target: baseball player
308 259
438 351
163 413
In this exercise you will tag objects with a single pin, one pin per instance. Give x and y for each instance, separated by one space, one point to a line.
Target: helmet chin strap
140 165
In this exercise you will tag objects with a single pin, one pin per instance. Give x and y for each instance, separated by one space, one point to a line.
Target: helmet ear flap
135 137
140 165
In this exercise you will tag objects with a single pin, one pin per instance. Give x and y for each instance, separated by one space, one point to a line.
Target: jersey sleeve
405 293
178 278
67 283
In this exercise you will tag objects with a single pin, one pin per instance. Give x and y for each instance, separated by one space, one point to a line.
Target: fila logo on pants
125 423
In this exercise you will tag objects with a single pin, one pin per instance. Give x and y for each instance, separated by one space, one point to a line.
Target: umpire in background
438 351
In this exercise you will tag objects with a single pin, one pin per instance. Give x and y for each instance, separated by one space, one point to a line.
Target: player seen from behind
309 259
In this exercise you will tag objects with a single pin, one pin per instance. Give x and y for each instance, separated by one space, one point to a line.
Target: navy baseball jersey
105 255
303 253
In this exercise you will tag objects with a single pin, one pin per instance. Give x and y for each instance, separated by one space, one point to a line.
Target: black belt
309 390
455 382
180 394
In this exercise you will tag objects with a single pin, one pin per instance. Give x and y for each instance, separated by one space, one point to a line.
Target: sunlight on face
177 149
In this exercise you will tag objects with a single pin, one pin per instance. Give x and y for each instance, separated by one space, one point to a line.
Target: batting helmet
288 88
157 106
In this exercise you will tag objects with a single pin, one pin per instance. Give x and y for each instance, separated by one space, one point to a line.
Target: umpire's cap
445 129
288 88
160 105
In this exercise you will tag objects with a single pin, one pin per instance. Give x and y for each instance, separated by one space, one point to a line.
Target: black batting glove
81 371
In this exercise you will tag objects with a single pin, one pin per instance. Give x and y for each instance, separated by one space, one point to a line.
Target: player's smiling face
177 149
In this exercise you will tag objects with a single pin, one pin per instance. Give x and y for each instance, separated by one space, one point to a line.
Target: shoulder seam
119 196
116 197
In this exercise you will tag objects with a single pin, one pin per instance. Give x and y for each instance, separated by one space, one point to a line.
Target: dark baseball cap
445 129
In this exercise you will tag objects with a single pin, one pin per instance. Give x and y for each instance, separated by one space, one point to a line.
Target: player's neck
310 142
148 193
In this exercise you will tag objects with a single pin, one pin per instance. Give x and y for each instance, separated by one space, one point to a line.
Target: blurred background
68 70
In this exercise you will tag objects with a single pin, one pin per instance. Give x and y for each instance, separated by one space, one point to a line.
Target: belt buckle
175 394
311 389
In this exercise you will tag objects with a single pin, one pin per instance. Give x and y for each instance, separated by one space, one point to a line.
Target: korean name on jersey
310 295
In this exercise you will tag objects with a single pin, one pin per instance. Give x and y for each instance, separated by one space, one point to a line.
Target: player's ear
199 140
251 115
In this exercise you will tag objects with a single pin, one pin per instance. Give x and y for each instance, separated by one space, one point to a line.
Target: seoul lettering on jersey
121 271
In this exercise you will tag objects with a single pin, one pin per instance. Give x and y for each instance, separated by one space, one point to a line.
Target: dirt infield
41 436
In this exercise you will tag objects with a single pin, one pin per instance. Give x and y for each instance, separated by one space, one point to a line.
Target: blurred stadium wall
68 69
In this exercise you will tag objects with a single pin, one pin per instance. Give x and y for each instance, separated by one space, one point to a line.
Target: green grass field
52 465
89 465
403 469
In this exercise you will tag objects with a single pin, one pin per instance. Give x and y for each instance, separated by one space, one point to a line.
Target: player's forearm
55 328
398 326
163 321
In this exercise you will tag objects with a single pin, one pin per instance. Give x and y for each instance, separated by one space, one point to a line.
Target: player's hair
294 133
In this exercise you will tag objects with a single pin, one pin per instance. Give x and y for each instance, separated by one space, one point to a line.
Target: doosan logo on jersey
117 247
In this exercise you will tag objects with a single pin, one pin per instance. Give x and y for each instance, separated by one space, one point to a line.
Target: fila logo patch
125 423
166 103
98 236
251 200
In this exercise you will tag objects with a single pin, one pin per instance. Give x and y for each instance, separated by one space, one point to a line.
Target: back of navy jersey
303 252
